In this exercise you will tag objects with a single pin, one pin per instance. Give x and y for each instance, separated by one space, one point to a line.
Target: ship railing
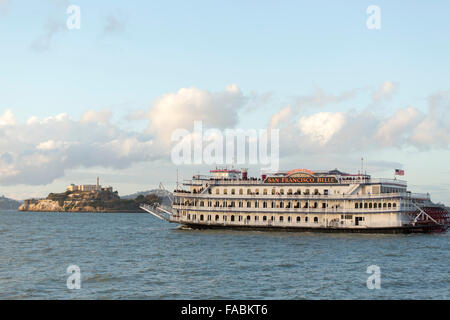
339 210
193 182
213 181
161 212
388 181
253 196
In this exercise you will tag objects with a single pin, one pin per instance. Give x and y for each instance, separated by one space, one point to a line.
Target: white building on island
88 187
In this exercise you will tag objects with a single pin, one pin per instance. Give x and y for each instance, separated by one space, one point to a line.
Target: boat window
298 219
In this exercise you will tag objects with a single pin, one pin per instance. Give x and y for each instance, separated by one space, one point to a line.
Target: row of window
256 204
283 204
248 218
374 205
273 191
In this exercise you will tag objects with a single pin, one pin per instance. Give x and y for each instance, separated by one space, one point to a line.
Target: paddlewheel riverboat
302 200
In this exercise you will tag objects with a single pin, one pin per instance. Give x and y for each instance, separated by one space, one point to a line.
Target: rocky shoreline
82 201
46 205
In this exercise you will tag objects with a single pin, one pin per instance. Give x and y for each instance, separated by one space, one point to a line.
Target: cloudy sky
104 99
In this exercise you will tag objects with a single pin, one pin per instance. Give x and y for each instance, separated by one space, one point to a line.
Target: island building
89 187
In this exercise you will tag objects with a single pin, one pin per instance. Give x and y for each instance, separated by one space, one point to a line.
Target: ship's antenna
362 165
177 179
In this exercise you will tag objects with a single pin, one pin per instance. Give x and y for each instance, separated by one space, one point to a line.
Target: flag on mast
399 172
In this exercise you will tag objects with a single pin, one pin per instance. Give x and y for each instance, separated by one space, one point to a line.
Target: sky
104 99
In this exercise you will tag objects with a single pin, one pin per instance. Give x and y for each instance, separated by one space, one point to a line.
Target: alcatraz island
88 198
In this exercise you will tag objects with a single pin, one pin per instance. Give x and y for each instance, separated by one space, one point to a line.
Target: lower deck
389 230
341 220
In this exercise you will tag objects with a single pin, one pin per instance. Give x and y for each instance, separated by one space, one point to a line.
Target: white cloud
38 152
92 116
321 127
179 110
7 118
281 117
385 91
359 131
434 128
320 98
392 131
51 145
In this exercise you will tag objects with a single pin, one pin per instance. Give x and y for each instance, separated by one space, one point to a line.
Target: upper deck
295 184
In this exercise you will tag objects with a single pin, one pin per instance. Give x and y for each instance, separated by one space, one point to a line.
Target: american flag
399 172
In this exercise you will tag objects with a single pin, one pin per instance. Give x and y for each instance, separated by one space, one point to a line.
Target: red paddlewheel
439 214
